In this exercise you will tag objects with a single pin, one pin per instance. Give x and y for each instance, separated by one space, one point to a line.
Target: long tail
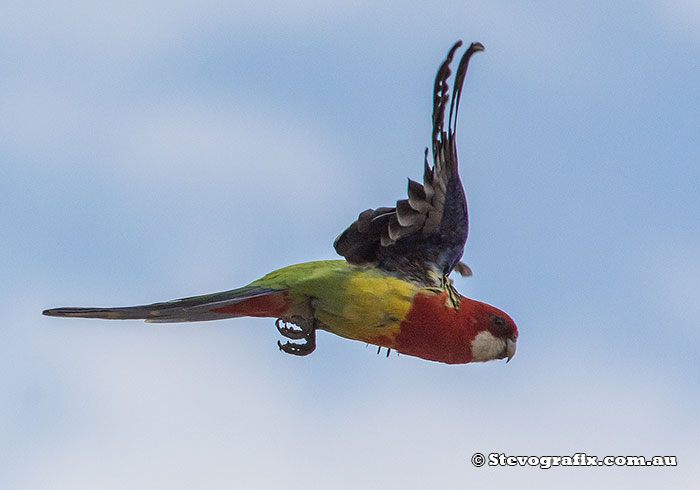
246 301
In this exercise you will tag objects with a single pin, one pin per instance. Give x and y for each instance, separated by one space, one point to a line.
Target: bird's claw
290 332
299 349
306 332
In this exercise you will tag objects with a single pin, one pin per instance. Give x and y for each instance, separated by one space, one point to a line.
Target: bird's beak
510 349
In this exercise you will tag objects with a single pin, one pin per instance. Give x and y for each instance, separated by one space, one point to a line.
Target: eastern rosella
392 290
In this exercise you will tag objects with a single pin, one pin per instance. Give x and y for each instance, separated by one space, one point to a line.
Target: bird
391 289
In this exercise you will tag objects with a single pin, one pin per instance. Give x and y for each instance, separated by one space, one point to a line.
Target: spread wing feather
428 230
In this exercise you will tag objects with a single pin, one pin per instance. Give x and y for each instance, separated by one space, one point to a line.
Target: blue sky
173 149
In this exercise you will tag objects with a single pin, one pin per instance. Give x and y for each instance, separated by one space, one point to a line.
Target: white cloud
119 31
235 157
198 143
177 407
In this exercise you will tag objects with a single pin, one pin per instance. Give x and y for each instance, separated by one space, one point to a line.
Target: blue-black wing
425 233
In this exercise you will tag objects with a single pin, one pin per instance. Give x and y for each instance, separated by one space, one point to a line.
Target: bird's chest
369 309
432 330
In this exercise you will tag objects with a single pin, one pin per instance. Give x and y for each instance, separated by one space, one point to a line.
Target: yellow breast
372 307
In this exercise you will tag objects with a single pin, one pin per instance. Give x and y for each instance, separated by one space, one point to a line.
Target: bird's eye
500 323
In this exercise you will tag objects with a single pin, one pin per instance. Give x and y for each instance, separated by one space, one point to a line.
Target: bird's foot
306 332
303 349
291 332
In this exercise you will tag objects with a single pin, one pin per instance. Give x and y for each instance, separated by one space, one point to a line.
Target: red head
474 332
495 333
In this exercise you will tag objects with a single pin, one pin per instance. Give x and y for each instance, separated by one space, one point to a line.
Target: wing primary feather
441 96
429 228
459 82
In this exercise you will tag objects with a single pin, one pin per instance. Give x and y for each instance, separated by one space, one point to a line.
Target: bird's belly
368 308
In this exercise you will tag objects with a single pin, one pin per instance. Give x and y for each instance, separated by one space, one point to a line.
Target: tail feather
246 301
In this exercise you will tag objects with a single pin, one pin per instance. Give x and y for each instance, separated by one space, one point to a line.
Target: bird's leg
306 332
452 293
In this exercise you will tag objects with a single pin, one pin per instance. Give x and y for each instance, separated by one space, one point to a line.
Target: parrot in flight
393 288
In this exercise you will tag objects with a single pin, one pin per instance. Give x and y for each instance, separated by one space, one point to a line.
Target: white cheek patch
486 347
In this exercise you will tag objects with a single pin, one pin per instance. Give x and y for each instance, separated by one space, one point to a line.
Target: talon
289 332
299 349
306 332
